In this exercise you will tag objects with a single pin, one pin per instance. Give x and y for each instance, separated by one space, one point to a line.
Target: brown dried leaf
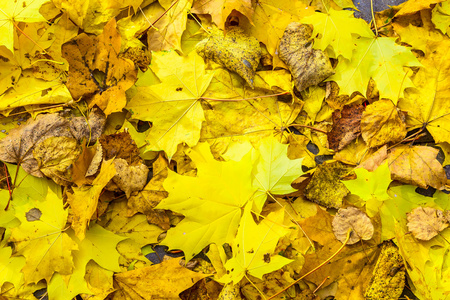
346 126
426 222
18 146
236 51
120 145
354 219
308 66
417 165
130 178
96 71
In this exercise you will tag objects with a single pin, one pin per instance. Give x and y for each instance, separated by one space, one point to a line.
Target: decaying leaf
346 126
388 279
97 72
236 51
426 222
353 219
417 165
129 178
18 146
325 187
308 66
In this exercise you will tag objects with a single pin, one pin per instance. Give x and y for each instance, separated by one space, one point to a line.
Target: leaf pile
271 144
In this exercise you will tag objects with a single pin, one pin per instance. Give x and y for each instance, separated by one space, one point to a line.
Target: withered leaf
96 71
18 146
33 214
346 126
426 222
388 279
130 178
56 156
236 51
325 187
353 219
120 145
308 66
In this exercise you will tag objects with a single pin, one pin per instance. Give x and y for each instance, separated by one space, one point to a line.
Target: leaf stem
244 99
312 128
318 267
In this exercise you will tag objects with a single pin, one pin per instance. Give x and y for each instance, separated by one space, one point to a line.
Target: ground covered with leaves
218 149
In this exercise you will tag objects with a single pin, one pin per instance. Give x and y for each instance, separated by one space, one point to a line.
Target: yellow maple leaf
221 9
42 239
427 105
173 106
17 11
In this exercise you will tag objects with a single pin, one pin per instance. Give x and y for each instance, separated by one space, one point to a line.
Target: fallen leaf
173 106
236 51
426 222
28 12
356 221
97 72
336 30
381 124
388 279
129 178
164 281
346 126
308 66
84 199
325 187
253 248
417 165
44 242
411 7
221 9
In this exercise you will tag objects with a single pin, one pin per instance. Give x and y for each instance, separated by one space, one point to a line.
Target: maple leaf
212 202
9 266
164 281
371 187
173 106
378 58
253 248
440 17
42 240
12 12
337 30
274 171
220 9
270 20
427 103
381 123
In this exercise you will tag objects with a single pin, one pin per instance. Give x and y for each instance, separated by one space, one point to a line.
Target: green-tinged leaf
274 171
337 30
